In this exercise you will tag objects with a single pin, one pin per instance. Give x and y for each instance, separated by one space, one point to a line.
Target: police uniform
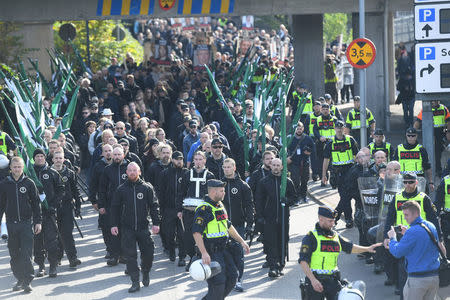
353 122
443 208
133 202
6 143
395 217
113 176
46 243
341 154
211 221
295 102
320 249
20 201
412 158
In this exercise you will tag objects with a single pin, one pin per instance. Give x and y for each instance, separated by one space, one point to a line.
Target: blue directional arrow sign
433 67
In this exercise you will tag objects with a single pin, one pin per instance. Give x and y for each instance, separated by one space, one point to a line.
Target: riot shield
392 185
422 185
368 190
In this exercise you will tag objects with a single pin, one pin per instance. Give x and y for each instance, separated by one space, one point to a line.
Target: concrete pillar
38 37
375 73
308 52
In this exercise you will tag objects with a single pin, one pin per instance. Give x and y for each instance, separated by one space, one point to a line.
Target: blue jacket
420 252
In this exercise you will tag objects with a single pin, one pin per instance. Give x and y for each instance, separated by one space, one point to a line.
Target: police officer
133 202
323 132
6 143
301 91
211 229
319 255
238 203
94 189
443 208
46 243
299 152
353 121
19 199
309 123
379 144
413 157
170 184
269 210
65 211
193 185
333 108
395 217
341 152
441 116
113 176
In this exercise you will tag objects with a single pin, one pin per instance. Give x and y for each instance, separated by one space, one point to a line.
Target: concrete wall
38 37
50 10
308 51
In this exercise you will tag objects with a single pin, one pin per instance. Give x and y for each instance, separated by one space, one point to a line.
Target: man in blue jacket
421 254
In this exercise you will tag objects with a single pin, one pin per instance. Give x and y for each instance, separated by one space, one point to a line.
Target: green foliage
334 25
11 44
103 46
271 22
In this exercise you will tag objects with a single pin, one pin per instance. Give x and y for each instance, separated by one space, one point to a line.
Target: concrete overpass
306 27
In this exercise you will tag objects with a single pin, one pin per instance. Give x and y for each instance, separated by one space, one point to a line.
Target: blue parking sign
427 53
426 15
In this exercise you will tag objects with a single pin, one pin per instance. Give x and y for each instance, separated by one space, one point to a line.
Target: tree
334 25
103 46
11 44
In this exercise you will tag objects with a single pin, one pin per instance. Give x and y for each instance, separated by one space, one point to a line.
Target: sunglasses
409 181
120 128
217 147
411 135
194 126
124 145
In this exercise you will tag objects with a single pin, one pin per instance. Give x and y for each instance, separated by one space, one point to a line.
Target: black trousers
445 225
344 204
331 287
65 225
173 230
46 243
272 243
345 92
20 246
112 242
237 252
300 177
221 285
188 238
146 247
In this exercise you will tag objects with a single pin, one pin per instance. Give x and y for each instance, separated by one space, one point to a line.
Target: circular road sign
361 53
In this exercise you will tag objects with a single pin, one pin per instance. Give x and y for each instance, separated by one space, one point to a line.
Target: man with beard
65 211
215 161
238 202
269 208
113 176
122 134
94 189
193 187
133 202
52 190
130 156
170 184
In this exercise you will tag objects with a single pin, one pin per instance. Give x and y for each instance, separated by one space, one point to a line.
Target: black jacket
71 191
170 184
238 201
187 189
256 177
52 185
113 176
20 200
133 202
267 198
215 166
153 173
134 147
94 183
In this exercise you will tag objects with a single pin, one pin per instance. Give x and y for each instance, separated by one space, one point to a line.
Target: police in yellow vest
353 122
379 144
442 203
311 119
319 257
413 157
6 143
333 108
299 93
211 230
441 116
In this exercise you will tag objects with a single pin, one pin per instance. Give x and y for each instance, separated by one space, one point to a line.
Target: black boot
18 286
74 263
145 278
112 261
41 272
181 262
27 288
135 286
172 255
273 272
52 272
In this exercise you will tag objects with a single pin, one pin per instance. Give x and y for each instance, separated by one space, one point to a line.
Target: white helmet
354 291
200 271
4 161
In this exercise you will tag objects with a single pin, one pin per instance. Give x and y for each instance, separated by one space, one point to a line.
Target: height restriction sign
361 53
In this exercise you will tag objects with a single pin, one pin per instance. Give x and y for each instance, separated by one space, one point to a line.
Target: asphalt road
95 280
